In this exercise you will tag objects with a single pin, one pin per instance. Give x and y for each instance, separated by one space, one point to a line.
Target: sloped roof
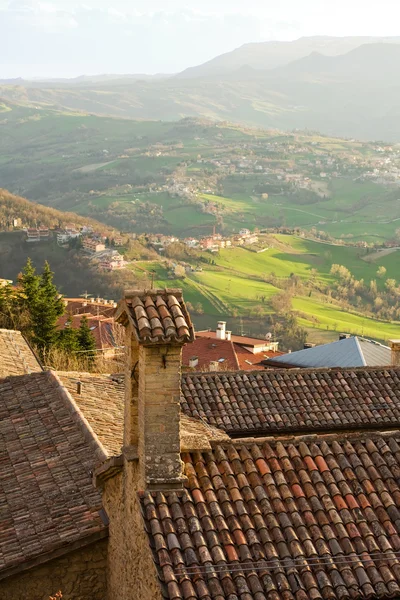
157 316
243 340
310 518
347 353
47 499
16 356
293 400
83 305
102 328
253 362
101 401
207 350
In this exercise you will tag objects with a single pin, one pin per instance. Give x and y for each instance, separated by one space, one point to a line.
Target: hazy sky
66 38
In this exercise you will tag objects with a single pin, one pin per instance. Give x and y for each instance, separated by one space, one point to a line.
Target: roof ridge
89 434
292 369
361 353
337 435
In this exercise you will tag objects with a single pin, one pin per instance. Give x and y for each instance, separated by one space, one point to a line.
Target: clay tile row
292 520
297 400
158 316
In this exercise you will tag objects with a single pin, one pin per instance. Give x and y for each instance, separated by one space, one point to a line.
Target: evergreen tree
46 311
42 301
68 338
28 295
87 343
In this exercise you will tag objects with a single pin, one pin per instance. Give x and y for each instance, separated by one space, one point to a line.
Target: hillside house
34 235
64 236
273 485
92 245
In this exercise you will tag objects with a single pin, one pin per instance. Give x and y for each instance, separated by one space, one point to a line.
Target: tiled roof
346 353
101 400
16 356
293 400
306 519
47 499
243 340
103 328
208 350
253 362
77 306
157 316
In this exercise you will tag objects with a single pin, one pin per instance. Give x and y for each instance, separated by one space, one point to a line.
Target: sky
66 38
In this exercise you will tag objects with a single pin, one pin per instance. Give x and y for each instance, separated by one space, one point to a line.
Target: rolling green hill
236 284
241 284
127 174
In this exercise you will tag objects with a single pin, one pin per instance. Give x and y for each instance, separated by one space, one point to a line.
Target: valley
185 178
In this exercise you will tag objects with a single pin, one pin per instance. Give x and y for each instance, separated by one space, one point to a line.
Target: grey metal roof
350 352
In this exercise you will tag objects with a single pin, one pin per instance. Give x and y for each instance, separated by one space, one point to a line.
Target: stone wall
159 415
80 575
131 570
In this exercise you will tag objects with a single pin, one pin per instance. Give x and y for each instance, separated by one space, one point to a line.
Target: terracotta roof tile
46 494
103 329
281 520
101 401
252 362
16 356
207 350
157 316
294 400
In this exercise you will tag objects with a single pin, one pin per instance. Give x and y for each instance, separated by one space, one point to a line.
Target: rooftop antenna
85 295
241 326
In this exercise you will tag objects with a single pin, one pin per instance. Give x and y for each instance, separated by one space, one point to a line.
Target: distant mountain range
340 86
270 55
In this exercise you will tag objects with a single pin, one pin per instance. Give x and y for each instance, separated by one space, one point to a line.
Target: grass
332 318
236 284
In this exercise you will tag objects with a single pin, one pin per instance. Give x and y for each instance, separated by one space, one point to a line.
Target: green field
115 169
236 285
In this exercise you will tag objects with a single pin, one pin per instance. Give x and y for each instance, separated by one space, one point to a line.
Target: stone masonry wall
132 574
80 575
159 414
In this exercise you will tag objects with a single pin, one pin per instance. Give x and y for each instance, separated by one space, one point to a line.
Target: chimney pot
214 365
193 362
395 347
228 335
79 387
221 330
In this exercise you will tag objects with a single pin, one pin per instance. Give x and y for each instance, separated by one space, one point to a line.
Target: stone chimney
157 326
395 348
221 330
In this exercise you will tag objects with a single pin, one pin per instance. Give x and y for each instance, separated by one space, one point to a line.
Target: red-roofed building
94 306
207 354
104 331
220 350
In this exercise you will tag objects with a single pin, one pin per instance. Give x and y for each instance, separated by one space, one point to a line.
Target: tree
46 307
68 338
86 341
381 272
282 302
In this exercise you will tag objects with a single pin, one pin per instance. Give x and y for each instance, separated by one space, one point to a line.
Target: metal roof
350 352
